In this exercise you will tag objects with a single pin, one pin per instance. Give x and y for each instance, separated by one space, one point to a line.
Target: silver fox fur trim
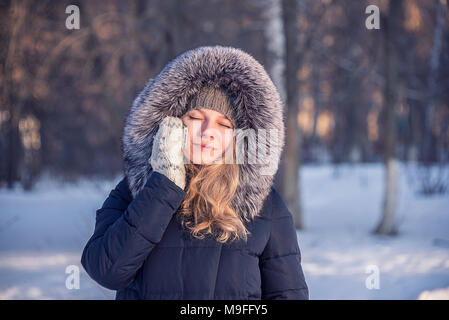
255 99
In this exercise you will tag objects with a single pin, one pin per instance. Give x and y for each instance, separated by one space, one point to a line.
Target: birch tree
387 225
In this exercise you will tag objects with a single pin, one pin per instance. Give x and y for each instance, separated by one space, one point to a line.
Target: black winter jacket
140 249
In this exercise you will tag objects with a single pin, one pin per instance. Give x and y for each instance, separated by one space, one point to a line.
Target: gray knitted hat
215 99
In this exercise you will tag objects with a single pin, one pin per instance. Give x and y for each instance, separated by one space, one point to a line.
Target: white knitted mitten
167 154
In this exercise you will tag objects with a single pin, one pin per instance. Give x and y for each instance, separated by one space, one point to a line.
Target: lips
205 147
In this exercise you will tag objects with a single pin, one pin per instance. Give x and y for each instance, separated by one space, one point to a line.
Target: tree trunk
291 174
387 225
275 39
10 98
429 150
275 51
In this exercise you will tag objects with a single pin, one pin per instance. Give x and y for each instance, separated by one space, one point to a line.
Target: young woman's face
210 133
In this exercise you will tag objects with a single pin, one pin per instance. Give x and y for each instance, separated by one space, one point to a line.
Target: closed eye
226 126
193 118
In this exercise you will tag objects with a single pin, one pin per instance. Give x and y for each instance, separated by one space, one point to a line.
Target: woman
190 221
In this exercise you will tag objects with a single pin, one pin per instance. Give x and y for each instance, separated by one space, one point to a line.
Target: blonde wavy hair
207 208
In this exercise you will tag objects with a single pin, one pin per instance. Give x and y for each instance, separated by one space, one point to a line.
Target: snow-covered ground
339 251
44 231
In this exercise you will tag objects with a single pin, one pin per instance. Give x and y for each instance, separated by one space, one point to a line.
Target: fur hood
256 102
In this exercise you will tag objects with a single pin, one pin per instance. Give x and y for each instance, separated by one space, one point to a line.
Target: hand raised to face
167 155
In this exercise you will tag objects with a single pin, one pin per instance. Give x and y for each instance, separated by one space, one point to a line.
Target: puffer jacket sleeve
127 230
280 262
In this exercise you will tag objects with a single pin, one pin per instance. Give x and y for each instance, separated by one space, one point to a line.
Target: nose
207 132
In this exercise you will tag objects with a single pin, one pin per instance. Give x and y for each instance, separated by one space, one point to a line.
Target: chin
205 160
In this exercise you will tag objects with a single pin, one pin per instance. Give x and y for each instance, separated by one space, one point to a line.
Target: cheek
188 124
189 141
194 129
192 136
227 139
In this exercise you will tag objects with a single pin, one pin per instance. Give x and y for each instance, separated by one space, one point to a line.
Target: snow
44 231
342 207
437 294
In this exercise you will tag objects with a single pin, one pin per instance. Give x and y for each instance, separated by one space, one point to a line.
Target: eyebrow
222 116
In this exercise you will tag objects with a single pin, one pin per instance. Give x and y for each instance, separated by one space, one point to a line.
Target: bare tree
387 225
432 81
433 183
275 39
290 174
12 98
